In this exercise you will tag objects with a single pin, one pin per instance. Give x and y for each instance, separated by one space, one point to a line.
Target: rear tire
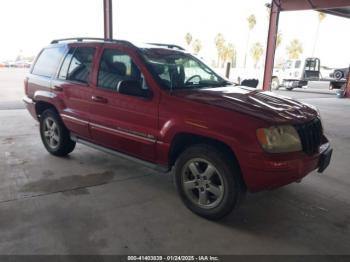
338 75
208 181
54 135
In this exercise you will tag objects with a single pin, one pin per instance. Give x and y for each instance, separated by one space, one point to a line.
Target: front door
122 122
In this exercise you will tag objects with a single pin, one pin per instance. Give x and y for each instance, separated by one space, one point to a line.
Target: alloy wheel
202 183
51 133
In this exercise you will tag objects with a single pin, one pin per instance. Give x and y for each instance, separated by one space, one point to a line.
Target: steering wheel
192 77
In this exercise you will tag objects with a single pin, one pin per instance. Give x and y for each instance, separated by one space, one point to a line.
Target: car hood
265 105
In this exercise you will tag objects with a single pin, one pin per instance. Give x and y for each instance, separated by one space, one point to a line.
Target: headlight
279 139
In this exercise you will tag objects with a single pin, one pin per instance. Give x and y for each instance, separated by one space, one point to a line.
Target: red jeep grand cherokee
163 107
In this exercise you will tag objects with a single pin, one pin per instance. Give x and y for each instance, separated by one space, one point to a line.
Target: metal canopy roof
336 7
343 11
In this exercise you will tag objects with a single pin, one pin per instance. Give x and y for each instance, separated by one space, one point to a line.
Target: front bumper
264 171
30 105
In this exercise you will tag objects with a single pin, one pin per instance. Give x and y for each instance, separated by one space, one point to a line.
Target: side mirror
133 88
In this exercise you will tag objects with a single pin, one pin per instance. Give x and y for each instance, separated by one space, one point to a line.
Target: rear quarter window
48 61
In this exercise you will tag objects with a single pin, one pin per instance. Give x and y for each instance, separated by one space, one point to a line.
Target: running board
156 167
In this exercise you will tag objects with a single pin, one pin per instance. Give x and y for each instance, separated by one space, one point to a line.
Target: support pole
107 17
347 91
271 45
228 67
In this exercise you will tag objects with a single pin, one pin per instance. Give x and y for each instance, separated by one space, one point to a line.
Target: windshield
178 70
288 64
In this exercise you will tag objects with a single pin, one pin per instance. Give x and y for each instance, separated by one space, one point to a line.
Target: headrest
119 68
159 68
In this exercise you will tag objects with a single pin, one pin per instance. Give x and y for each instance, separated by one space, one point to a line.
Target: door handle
99 99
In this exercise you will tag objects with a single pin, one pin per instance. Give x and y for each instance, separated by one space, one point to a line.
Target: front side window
77 65
116 66
48 61
182 71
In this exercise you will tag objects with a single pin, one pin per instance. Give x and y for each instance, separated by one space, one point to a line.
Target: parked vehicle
341 73
22 64
161 106
9 64
296 73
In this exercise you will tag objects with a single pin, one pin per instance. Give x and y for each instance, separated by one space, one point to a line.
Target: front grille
310 135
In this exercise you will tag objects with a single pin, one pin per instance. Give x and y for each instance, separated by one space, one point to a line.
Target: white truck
296 73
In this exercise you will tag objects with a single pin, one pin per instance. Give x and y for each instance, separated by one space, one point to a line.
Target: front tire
54 135
208 183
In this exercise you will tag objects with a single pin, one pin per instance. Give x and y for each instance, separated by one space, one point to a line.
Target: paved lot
94 203
11 87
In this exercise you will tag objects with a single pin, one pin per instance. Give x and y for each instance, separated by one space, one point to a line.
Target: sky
28 25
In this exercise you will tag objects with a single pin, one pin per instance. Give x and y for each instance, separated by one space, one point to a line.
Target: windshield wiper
226 83
221 84
204 85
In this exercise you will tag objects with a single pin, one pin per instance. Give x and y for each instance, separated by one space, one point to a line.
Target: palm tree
219 43
278 39
188 39
256 52
197 46
251 24
251 21
321 17
294 49
228 54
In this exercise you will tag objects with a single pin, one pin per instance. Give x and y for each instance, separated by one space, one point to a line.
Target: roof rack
81 39
171 46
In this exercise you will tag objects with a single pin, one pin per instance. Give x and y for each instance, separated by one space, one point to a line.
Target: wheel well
41 106
184 140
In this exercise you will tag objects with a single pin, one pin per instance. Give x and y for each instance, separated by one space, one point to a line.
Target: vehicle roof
100 41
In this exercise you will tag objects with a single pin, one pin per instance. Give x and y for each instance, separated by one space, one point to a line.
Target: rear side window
65 65
48 61
77 65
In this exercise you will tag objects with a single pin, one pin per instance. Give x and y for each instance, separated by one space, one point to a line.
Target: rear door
125 123
74 82
44 70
